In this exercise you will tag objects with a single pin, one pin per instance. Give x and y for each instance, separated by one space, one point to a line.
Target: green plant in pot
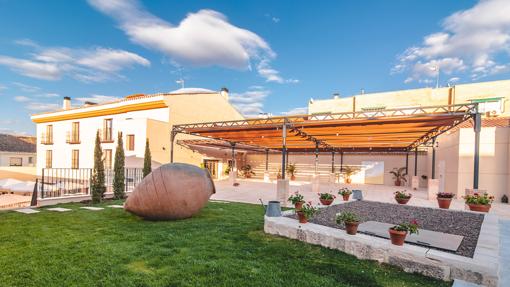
350 220
402 197
247 171
291 169
326 198
348 171
345 193
297 199
399 176
444 199
399 232
306 212
479 202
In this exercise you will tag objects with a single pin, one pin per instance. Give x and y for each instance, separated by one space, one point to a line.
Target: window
130 142
49 158
30 160
74 137
15 161
75 161
107 158
47 137
107 130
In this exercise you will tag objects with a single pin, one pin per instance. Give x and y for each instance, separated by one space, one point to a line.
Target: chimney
336 95
224 93
67 103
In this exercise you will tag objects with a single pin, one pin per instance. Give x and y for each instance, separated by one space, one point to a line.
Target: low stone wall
482 269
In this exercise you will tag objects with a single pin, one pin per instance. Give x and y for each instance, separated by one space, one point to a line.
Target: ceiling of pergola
389 130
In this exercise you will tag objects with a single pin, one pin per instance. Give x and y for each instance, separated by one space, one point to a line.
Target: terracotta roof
498 122
12 143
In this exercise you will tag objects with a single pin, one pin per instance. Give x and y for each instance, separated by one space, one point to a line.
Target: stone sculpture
172 191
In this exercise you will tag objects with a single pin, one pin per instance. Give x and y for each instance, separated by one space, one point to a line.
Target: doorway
212 166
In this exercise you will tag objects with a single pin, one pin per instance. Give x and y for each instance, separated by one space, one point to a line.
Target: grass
224 245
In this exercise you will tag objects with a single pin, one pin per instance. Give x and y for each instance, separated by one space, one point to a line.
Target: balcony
46 139
73 138
106 136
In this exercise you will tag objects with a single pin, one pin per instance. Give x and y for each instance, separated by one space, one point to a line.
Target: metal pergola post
172 139
416 161
341 161
407 163
233 156
433 158
267 159
284 148
316 157
333 162
286 159
476 164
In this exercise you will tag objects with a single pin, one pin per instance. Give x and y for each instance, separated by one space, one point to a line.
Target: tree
147 160
118 170
97 184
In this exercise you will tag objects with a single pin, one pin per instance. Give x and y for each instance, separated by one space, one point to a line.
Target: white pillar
266 176
315 183
282 191
415 182
432 188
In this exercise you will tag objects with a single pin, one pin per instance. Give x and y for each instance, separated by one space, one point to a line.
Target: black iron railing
59 182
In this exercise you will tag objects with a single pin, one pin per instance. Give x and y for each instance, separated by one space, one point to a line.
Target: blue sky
273 56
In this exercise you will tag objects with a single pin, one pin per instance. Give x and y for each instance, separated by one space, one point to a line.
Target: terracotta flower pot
348 180
302 218
298 205
397 237
479 207
402 200
326 201
397 183
444 202
351 227
292 177
346 197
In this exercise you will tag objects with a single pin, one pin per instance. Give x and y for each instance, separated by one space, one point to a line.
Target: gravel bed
448 221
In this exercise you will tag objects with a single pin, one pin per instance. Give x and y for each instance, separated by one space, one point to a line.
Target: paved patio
250 191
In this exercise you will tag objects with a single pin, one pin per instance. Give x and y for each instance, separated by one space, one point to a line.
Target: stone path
58 209
504 252
27 211
116 206
92 208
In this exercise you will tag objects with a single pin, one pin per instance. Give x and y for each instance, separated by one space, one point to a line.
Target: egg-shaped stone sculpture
172 191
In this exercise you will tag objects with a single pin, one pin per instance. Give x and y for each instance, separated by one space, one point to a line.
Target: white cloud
297 111
88 65
42 107
204 38
97 99
26 88
472 41
21 99
251 102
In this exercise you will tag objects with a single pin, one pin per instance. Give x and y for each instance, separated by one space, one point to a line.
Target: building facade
66 138
17 151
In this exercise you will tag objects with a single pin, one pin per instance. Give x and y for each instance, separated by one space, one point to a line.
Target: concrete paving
251 190
116 206
92 208
27 210
504 253
58 209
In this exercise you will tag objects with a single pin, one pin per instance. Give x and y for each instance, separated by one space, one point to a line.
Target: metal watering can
273 208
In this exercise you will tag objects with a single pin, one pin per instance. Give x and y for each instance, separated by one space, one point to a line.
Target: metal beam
284 148
407 163
172 140
416 161
233 156
267 159
341 161
434 158
333 162
476 166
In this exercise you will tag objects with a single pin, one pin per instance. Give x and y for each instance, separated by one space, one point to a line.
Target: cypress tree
147 160
118 170
97 184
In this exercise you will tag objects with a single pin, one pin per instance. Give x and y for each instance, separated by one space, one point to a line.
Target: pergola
390 131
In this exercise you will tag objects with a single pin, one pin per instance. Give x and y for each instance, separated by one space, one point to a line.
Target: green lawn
224 245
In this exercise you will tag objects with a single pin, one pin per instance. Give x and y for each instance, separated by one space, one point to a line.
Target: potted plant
326 198
402 197
297 199
247 171
306 212
399 232
444 199
399 175
350 220
291 169
345 193
348 171
479 202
